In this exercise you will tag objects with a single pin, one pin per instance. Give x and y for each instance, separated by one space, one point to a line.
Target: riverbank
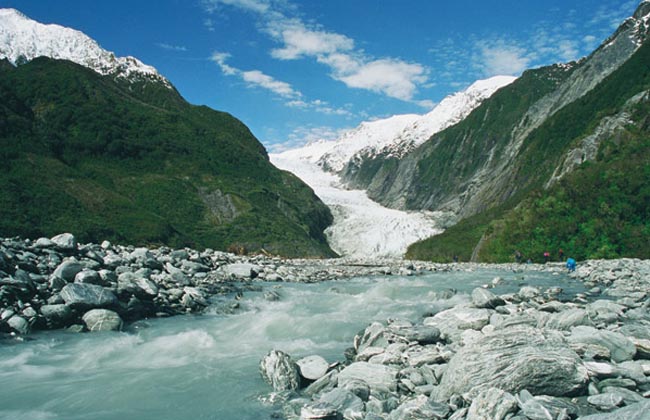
522 355
53 283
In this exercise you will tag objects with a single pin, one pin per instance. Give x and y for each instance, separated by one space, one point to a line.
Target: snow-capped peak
398 134
23 39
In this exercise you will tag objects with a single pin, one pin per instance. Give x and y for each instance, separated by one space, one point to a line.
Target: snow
397 135
362 228
23 39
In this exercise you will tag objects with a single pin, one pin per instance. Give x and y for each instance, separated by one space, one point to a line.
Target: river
206 367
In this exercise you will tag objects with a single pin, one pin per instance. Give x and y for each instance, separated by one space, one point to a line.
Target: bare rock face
280 371
515 359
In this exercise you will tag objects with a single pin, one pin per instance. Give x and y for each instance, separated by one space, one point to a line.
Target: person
518 256
547 257
561 254
455 258
571 264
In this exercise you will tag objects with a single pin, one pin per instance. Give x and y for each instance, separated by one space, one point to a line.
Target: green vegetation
598 211
134 163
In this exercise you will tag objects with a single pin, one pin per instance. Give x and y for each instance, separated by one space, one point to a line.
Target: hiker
571 264
547 257
455 258
518 256
561 254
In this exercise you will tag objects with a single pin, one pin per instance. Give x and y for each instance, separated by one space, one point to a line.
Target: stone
378 377
528 293
280 371
421 334
534 409
102 320
359 388
67 270
312 367
637 411
19 324
320 411
607 401
89 276
86 296
373 336
345 402
65 242
242 270
137 285
620 347
56 315
493 404
452 322
567 319
44 243
515 359
483 298
420 408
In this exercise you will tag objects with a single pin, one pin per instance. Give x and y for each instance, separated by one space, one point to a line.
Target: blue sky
296 71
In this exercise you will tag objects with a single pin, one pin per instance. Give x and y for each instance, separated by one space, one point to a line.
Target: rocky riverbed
523 355
53 283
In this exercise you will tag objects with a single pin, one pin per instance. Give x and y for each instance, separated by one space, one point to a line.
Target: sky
298 71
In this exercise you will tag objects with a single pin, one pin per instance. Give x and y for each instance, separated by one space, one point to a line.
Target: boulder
89 276
242 270
420 408
67 270
86 296
65 241
493 404
280 371
19 324
620 347
312 367
483 298
345 402
102 320
378 377
453 321
137 285
515 359
635 411
56 315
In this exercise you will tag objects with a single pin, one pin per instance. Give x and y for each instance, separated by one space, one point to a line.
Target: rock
65 241
242 271
89 276
19 324
620 347
493 404
378 377
56 315
373 336
67 270
528 293
280 371
86 296
102 320
420 408
312 367
567 319
421 334
534 409
345 402
638 411
515 359
606 401
483 298
359 388
44 243
320 411
136 285
453 321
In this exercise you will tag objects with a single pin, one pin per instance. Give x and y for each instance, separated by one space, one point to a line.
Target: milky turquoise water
206 367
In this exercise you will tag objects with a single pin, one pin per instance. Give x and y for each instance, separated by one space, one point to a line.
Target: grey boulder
86 296
102 320
280 371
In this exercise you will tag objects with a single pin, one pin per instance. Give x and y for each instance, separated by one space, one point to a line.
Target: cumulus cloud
257 78
392 77
502 59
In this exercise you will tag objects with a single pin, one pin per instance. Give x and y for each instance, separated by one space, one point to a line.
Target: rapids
206 367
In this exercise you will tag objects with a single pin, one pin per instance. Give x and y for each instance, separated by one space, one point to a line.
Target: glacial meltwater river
206 367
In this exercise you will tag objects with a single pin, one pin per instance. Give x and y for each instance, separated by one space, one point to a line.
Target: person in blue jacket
571 264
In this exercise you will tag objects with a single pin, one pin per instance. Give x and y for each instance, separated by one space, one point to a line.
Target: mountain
114 152
397 135
541 164
23 39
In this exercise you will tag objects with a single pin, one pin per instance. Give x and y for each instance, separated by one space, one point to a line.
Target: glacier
362 228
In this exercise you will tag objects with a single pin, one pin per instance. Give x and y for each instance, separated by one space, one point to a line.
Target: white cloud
502 59
301 42
394 78
170 47
388 76
220 58
257 78
302 136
